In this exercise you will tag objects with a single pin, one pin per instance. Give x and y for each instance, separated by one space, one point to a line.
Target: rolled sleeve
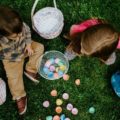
27 34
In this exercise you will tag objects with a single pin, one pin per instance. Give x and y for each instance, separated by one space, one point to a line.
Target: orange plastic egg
77 81
53 93
58 110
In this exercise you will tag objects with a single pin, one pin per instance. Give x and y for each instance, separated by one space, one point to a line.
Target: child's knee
39 48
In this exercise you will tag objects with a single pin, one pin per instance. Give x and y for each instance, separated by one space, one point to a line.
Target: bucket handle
35 4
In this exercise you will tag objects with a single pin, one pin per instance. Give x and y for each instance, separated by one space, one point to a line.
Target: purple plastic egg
67 118
65 96
52 68
69 106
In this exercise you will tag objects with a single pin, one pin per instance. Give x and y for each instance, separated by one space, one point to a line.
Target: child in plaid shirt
15 45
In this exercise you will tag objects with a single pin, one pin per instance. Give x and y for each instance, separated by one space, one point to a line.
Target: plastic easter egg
46 70
59 102
66 77
62 67
50 74
57 60
52 68
57 69
69 106
53 93
74 111
47 64
67 118
77 81
52 60
60 63
46 104
58 110
65 96
60 73
56 75
56 117
49 118
92 110
62 117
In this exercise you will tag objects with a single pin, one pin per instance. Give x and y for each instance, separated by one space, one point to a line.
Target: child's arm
28 40
27 33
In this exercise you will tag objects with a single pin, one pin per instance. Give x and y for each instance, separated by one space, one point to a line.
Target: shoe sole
31 78
24 109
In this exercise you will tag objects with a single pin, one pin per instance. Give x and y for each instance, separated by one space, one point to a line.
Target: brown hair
98 41
10 21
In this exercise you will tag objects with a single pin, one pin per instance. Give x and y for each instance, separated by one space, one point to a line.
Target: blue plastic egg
60 73
52 60
62 117
46 70
50 74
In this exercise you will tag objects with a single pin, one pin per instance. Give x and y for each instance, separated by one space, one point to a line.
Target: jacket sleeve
27 34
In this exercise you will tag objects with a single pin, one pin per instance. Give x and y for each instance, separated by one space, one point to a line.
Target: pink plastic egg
46 104
74 111
57 60
47 64
66 77
56 75
56 117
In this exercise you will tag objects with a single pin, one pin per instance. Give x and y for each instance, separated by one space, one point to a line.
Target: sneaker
115 81
32 76
22 105
70 55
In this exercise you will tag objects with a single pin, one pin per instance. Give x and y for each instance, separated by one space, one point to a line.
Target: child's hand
28 49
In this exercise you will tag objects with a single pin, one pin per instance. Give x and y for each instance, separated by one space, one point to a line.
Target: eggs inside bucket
53 65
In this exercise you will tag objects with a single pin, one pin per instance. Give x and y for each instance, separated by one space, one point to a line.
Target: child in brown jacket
15 45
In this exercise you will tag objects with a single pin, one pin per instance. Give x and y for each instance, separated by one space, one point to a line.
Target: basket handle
35 4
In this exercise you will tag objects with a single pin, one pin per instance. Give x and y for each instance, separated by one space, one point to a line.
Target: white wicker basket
48 22
2 91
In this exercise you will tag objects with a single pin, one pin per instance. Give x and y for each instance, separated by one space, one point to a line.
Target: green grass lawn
95 89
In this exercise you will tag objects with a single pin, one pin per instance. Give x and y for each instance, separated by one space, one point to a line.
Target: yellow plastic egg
59 102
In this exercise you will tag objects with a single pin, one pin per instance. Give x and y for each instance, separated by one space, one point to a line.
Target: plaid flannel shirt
13 50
